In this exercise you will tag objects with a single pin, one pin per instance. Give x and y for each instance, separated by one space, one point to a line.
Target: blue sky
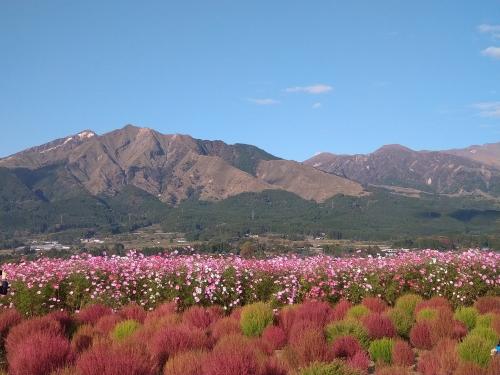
292 77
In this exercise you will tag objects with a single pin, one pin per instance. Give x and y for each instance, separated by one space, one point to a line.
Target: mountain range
88 180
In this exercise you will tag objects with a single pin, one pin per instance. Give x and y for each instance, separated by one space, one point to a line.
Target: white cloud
493 52
313 89
316 105
493 30
488 109
264 101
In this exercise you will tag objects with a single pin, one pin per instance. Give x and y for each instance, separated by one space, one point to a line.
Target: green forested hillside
381 215
53 202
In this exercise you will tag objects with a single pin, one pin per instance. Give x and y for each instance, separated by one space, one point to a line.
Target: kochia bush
255 318
231 355
381 350
332 368
378 326
357 312
26 329
274 336
109 360
345 347
317 312
348 328
92 313
467 315
171 340
187 363
475 349
402 354
124 330
310 346
420 336
408 302
40 354
375 304
402 320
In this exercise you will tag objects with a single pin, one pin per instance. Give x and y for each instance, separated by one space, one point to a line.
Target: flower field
426 313
414 336
47 285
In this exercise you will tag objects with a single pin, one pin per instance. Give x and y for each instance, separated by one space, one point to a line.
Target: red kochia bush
273 367
488 304
224 327
66 321
392 370
443 359
299 327
445 326
133 311
106 323
340 309
187 363
428 364
232 355
317 312
459 330
24 330
199 317
286 318
92 313
420 336
8 319
40 354
375 304
82 339
164 309
379 326
274 336
309 346
494 366
360 361
345 347
109 360
468 368
434 303
402 354
175 339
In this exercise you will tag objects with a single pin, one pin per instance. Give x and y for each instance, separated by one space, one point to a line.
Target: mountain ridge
172 167
441 172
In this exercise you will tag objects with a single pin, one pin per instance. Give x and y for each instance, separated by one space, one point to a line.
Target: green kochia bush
402 320
427 314
124 329
475 349
348 327
381 350
337 367
485 320
255 318
467 315
408 302
358 312
487 334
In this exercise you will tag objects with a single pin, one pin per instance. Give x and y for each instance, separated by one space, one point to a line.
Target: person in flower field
496 350
4 287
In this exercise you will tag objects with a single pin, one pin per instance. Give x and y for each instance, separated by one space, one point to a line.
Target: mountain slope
170 167
305 181
428 171
488 154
